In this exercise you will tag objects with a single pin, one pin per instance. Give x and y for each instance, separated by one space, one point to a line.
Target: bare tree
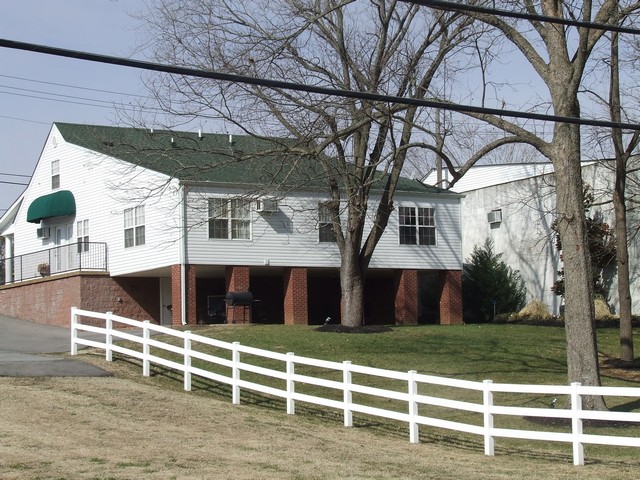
559 55
622 155
377 46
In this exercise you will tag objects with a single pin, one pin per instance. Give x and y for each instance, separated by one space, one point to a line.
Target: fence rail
81 256
345 388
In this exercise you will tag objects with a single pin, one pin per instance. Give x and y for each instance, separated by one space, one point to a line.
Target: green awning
58 204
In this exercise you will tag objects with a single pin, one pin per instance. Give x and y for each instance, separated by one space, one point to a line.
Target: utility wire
41 92
65 85
14 175
13 183
107 103
24 120
464 7
233 78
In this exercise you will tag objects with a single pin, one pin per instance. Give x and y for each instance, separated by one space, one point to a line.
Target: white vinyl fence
346 387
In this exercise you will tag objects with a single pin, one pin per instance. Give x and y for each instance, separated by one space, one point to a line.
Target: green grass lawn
502 353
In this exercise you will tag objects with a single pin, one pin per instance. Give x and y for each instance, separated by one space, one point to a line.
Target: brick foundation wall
176 294
49 301
296 310
406 298
237 280
42 301
451 298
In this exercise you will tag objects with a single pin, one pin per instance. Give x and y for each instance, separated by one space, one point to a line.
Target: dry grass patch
134 428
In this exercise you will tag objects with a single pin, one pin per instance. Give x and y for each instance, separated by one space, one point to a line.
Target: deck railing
81 256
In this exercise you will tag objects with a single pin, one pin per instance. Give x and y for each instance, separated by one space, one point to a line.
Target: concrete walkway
23 349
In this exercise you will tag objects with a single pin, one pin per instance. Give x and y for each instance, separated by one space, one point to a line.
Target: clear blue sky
28 106
37 90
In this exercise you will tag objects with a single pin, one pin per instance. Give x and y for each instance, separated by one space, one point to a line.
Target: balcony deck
73 257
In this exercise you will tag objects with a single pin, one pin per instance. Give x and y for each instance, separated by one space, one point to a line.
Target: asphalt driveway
24 347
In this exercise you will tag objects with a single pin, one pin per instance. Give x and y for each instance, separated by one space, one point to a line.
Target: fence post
487 401
187 360
145 349
414 436
576 424
346 379
74 332
109 339
235 374
291 406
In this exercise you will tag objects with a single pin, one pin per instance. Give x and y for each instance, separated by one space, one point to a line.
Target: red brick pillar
296 309
451 298
406 299
176 294
237 280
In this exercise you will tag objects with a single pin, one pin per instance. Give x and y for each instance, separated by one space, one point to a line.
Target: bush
536 308
489 286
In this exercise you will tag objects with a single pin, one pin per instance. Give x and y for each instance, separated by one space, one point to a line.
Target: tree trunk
620 208
622 260
352 288
582 358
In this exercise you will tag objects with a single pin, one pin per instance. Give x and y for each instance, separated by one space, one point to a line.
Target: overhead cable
465 7
280 84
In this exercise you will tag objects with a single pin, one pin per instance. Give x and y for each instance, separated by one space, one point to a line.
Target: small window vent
495 216
44 232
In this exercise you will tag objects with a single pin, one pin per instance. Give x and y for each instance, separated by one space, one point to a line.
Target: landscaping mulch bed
337 328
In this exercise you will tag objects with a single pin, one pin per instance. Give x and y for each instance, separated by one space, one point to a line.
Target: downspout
183 256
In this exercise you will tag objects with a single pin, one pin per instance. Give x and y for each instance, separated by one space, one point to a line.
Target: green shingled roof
191 157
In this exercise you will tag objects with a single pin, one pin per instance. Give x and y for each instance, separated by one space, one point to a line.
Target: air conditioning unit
44 232
495 216
266 205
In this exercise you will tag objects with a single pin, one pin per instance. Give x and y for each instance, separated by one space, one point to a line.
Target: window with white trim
230 219
325 224
417 226
82 234
134 230
55 174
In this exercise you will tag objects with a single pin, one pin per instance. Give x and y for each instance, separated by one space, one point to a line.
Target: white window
325 224
229 219
82 234
55 174
134 226
417 226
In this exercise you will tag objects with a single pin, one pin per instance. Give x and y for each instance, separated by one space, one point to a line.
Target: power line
13 183
53 94
24 120
109 103
463 7
65 85
14 175
233 78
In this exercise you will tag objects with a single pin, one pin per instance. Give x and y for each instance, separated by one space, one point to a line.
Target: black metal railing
82 256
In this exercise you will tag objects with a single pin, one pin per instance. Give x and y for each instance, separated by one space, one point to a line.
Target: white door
63 253
165 301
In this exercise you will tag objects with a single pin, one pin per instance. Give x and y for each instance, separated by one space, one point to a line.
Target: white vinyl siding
290 236
117 184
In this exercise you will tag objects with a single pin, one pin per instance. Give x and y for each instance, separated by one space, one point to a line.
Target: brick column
296 307
237 280
451 298
176 294
406 298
